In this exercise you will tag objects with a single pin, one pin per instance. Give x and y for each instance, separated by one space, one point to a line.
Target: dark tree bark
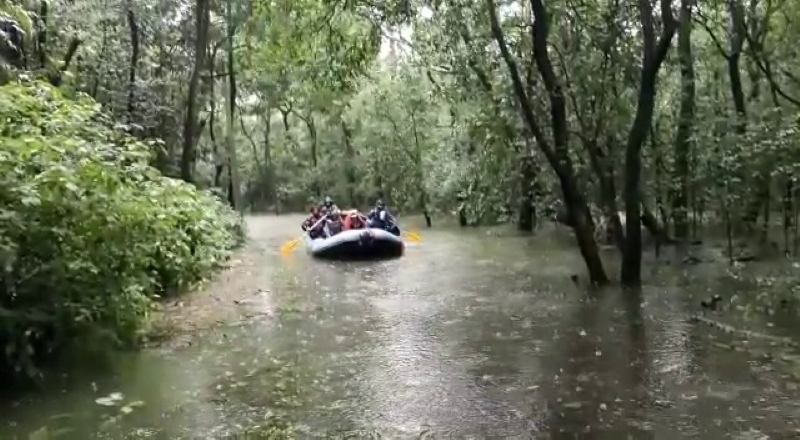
527 211
56 76
312 133
423 195
189 153
653 54
219 163
350 171
233 163
735 44
558 154
41 37
285 112
253 144
270 168
683 138
134 31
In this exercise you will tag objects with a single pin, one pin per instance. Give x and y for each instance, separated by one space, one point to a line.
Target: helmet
379 204
323 210
328 201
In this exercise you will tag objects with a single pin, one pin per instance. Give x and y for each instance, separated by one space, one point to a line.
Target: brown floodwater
470 335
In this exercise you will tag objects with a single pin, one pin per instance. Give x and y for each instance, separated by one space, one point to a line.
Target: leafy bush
90 234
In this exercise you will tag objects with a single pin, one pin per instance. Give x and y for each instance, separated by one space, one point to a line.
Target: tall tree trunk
736 38
350 171
258 195
41 37
558 154
270 167
654 53
134 63
101 56
219 160
604 169
312 133
423 195
57 74
188 153
233 163
735 43
527 215
683 138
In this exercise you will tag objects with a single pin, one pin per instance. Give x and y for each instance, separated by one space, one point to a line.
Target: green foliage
90 234
15 29
414 101
10 10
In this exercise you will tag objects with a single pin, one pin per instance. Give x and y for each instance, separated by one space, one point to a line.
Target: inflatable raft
357 244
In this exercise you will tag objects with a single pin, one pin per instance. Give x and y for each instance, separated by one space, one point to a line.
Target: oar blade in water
289 246
413 236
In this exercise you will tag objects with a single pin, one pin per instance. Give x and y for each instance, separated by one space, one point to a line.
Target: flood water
470 335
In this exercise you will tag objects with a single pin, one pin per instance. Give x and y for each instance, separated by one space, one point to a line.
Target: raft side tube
357 244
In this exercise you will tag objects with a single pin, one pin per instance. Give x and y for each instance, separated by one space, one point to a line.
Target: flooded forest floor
474 333
235 295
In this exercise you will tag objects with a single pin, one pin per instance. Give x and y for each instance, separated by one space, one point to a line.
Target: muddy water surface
467 336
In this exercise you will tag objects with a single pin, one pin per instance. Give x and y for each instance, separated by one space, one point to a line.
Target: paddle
413 236
291 244
410 234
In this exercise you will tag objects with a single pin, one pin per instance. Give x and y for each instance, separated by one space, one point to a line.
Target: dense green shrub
90 234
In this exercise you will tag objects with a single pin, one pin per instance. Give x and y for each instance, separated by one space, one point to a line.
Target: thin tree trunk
233 163
654 53
350 171
41 37
423 195
219 161
527 176
134 63
683 138
188 153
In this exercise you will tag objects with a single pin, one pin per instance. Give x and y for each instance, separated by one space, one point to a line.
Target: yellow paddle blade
289 246
413 236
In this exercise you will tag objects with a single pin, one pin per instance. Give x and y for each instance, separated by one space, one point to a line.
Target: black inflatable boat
357 244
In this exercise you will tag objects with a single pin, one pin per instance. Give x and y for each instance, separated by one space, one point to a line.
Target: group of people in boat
327 220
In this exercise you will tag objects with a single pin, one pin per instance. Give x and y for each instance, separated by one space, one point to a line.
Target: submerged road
467 336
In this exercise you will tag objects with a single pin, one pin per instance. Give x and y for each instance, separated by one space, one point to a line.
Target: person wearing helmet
333 225
379 217
375 211
328 203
